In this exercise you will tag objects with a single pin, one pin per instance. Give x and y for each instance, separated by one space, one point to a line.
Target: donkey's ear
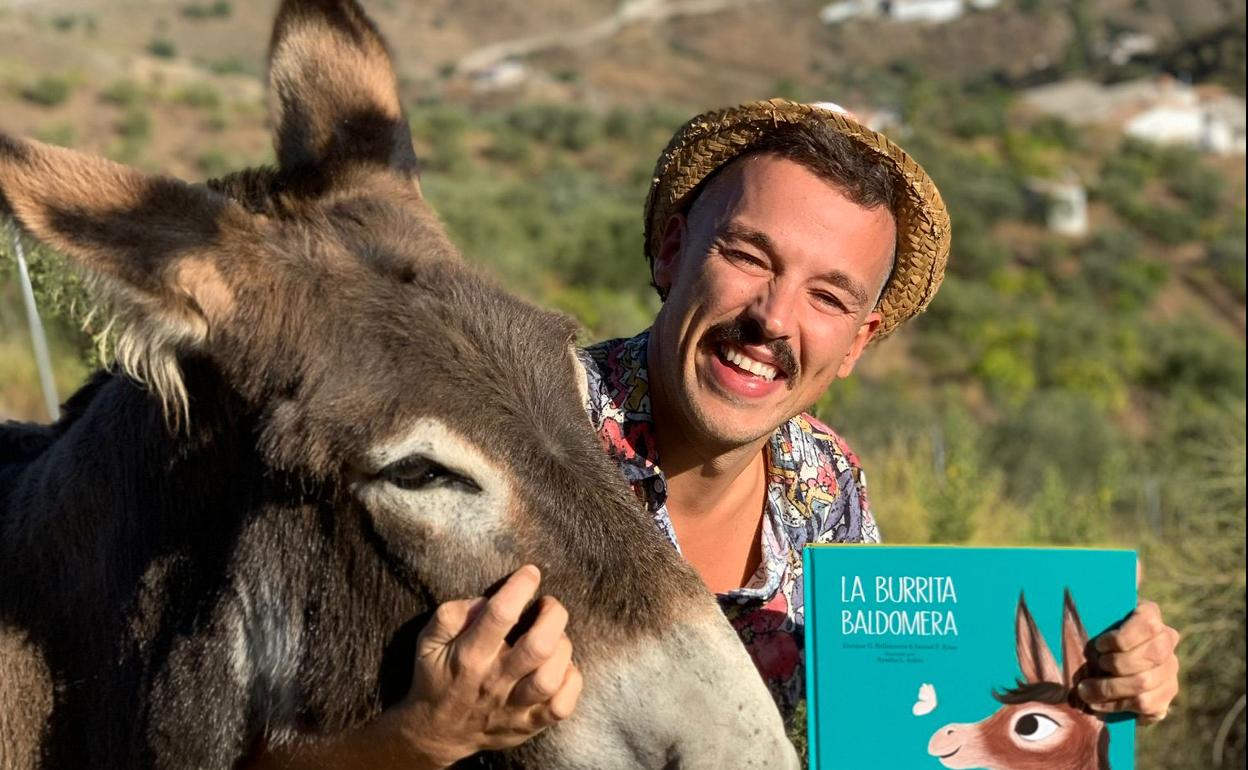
1035 659
1074 641
152 238
332 94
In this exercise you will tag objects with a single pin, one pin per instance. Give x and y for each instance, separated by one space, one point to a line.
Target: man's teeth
743 361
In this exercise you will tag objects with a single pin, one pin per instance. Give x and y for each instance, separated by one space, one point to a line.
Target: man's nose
773 310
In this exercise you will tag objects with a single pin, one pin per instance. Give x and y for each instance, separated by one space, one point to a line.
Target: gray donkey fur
206 551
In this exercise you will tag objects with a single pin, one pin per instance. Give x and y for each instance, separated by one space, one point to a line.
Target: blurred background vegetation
1061 389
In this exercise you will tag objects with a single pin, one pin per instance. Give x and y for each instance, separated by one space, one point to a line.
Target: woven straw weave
714 138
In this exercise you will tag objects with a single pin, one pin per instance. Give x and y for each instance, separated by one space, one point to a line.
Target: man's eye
417 472
829 300
747 258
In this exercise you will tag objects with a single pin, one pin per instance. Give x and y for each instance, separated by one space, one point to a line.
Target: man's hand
1140 666
473 692
470 692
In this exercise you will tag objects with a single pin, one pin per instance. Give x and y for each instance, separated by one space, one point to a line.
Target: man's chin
737 425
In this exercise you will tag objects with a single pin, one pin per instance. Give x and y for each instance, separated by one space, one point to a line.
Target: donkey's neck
113 480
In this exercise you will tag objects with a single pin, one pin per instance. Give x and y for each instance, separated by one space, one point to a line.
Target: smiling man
772 235
783 239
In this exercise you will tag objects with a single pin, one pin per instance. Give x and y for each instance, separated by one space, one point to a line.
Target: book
959 657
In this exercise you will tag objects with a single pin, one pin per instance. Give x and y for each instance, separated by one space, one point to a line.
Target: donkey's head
428 425
1039 726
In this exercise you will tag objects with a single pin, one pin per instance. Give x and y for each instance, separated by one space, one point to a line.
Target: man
783 239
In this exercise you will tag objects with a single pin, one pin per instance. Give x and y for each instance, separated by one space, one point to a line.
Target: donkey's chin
651 707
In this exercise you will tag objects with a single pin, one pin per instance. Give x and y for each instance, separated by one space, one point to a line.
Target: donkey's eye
419 472
1035 727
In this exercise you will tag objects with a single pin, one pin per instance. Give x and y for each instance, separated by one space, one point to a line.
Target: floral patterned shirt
816 493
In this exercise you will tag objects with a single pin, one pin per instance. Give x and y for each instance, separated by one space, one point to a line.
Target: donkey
322 424
1039 725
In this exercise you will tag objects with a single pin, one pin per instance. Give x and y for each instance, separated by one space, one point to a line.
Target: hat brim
712 139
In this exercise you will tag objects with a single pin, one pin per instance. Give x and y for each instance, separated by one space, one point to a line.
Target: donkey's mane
254 188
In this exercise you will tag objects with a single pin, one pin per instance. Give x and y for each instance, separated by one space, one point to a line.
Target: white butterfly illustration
926 703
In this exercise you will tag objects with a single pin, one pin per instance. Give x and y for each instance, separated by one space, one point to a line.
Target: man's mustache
749 333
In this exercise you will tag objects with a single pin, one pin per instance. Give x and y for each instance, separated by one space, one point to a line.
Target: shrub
1189 355
123 93
623 124
972 184
232 66
48 91
217 10
511 147
1194 568
1059 432
1226 255
569 127
62 134
162 48
1114 266
201 96
136 124
983 115
214 163
1190 179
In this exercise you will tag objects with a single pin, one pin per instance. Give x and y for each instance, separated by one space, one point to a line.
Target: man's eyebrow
735 231
838 278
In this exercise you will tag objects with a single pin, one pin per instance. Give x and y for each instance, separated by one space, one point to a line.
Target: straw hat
714 138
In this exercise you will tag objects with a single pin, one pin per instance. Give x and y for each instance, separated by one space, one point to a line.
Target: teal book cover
931 657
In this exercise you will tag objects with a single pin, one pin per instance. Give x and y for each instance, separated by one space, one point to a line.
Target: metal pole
37 337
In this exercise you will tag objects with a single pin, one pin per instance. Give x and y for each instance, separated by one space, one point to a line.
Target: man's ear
332 95
866 330
666 261
155 240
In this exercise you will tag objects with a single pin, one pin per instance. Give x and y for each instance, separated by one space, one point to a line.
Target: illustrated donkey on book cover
1040 726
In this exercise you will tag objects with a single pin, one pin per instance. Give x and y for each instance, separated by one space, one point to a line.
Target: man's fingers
1152 653
1147 693
1144 624
484 637
1106 689
545 681
448 622
539 643
1151 706
563 702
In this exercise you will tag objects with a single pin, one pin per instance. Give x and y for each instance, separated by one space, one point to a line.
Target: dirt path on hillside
630 12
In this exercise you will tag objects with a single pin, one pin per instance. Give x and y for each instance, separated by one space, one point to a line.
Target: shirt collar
626 385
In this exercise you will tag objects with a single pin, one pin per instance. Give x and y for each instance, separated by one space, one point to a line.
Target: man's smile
738 375
746 362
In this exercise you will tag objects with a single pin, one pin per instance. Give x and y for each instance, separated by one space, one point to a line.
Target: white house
1129 45
500 76
932 11
1065 204
1162 110
844 10
1224 130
